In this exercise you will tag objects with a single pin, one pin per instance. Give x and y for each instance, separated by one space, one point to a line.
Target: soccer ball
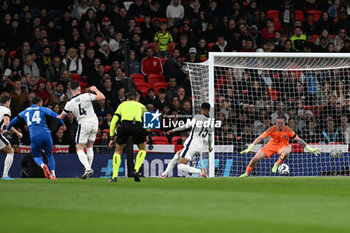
283 169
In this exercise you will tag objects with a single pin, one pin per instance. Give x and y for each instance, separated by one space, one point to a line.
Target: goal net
249 90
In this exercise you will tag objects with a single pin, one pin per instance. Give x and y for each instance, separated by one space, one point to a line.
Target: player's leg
90 144
48 147
171 164
7 148
81 139
186 156
254 161
284 153
36 147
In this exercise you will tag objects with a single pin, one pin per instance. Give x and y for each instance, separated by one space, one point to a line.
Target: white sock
83 159
189 169
90 155
171 164
53 173
7 164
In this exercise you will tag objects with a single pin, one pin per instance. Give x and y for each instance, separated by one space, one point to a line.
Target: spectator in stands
221 45
324 34
193 56
339 39
268 31
340 93
345 128
101 109
75 39
309 26
310 133
134 64
30 67
18 97
80 10
14 71
138 9
59 139
58 96
280 111
161 39
298 39
330 133
176 11
42 92
175 104
151 64
106 123
88 32
325 22
53 72
73 62
151 97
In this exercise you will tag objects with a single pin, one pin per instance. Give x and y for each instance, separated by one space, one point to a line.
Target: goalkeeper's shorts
270 150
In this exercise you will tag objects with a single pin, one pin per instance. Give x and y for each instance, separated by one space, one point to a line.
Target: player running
81 107
40 134
5 146
279 143
198 138
174 160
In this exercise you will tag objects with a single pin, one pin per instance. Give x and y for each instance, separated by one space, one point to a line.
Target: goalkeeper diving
279 143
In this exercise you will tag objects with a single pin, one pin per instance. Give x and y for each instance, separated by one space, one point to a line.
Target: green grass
256 205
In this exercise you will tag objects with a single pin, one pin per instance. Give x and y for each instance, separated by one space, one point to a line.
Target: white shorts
3 142
86 132
188 153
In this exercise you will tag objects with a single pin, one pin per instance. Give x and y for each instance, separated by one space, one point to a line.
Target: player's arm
12 123
182 128
99 95
315 151
256 141
52 114
64 112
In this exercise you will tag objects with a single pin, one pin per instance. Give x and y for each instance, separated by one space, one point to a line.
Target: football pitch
259 205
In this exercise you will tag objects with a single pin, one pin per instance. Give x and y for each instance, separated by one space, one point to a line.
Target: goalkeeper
280 135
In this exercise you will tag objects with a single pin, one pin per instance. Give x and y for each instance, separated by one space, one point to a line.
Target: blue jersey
35 117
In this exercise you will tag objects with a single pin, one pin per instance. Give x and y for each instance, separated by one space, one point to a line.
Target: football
283 169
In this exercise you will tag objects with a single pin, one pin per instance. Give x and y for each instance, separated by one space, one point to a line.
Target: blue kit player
40 134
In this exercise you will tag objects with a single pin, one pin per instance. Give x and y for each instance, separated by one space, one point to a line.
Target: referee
130 113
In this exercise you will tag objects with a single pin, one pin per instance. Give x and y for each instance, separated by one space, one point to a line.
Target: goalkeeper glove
315 151
248 149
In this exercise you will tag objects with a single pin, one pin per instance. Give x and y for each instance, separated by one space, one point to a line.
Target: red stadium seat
316 14
174 140
12 54
139 20
171 50
153 46
156 86
140 83
210 45
83 86
137 77
299 15
314 37
159 140
311 108
77 77
106 131
274 94
160 19
163 59
273 14
107 68
91 44
153 78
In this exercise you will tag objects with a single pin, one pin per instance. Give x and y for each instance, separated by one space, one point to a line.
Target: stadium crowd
42 50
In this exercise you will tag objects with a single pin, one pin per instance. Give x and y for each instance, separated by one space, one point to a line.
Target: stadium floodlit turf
259 205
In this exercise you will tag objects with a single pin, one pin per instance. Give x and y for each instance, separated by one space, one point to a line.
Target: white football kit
81 107
199 138
3 112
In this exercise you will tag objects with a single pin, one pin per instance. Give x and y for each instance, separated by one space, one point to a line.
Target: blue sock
38 161
51 162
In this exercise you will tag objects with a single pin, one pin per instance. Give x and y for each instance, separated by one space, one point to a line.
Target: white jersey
198 140
3 112
81 107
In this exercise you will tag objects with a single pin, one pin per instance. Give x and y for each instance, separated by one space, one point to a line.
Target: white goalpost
247 91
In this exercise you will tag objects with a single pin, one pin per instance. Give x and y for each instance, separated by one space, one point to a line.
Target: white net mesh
249 94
